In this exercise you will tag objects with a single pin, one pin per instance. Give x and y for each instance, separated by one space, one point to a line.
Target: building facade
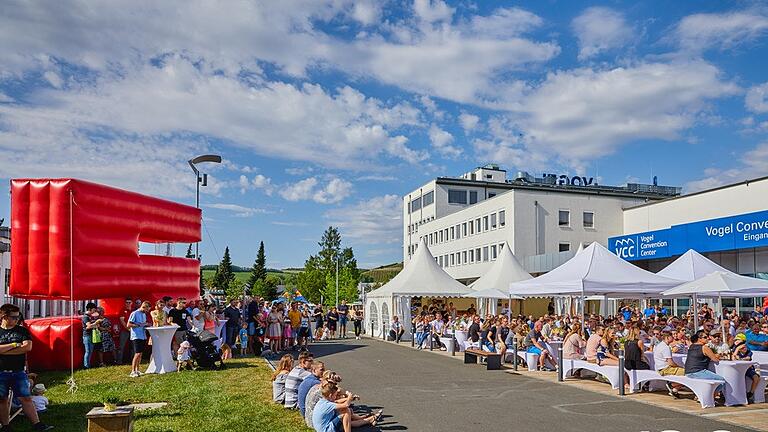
728 225
468 219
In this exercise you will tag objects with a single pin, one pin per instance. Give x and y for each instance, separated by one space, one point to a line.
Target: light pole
201 180
337 280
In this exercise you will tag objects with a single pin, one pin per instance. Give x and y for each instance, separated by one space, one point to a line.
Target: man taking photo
15 343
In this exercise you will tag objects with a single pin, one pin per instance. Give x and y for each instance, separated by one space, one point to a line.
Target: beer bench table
493 360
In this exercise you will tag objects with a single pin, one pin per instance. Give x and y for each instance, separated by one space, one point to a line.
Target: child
40 401
226 352
243 336
183 356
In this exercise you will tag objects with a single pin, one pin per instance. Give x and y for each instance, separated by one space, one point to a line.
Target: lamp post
337 280
201 180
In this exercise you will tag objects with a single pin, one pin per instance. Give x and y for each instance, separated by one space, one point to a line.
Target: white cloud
582 114
752 164
237 210
757 98
468 122
600 29
720 30
432 10
374 221
441 141
374 177
334 190
366 12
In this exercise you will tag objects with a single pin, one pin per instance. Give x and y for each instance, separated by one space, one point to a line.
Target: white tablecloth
161 360
219 332
461 336
733 371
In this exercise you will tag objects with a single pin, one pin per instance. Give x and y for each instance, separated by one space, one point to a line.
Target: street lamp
201 180
337 280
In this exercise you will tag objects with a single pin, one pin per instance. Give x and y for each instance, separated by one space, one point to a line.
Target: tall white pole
337 281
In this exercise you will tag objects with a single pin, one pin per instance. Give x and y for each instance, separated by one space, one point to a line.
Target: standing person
89 324
178 316
343 316
275 331
107 343
125 333
167 304
196 318
137 323
253 311
318 316
333 319
159 318
15 343
232 314
210 319
303 336
243 339
294 317
357 321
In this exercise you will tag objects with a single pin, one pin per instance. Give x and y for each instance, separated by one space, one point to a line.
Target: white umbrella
721 283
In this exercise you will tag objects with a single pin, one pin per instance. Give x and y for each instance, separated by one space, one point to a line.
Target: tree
235 289
311 281
259 269
224 275
330 248
319 275
265 288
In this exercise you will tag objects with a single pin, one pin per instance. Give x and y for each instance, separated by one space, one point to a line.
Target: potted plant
110 403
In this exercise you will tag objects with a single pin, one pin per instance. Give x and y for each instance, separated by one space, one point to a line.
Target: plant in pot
110 403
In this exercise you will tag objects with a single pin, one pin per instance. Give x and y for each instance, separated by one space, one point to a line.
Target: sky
326 112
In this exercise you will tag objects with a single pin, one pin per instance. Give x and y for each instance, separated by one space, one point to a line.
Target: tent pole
509 309
695 313
722 322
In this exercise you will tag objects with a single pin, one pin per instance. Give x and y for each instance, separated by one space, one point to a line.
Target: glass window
445 234
501 247
456 196
471 255
493 220
493 252
453 260
428 198
485 253
491 194
473 197
564 218
441 236
430 238
477 225
477 255
464 257
589 220
564 247
485 223
416 204
458 232
464 229
502 219
471 228
453 234
746 261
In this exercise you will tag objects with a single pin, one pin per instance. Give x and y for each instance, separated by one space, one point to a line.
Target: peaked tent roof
690 266
505 270
422 277
595 271
722 283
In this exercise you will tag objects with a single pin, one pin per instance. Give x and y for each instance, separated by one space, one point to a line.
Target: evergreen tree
319 276
330 248
224 275
259 269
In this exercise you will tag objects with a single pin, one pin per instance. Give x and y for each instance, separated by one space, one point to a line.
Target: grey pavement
423 392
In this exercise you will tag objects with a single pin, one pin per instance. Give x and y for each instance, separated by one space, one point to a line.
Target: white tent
690 266
595 271
506 270
721 284
421 277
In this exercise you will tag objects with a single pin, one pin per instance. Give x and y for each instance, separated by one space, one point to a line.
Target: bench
703 389
492 360
609 372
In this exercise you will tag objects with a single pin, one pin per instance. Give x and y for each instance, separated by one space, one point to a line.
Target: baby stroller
203 351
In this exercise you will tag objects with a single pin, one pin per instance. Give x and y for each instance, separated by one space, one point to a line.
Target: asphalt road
424 392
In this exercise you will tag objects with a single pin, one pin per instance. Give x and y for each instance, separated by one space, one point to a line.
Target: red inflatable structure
76 240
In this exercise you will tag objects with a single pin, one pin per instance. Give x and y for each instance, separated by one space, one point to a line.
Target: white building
466 220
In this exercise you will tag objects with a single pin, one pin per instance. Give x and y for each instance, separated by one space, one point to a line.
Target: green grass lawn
237 398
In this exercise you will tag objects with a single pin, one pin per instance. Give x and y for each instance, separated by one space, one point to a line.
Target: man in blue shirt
136 324
310 381
649 311
757 337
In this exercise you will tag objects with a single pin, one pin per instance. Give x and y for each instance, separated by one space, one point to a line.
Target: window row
470 256
414 227
564 219
469 228
422 201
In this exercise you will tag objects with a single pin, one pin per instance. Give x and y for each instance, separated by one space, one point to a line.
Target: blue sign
729 233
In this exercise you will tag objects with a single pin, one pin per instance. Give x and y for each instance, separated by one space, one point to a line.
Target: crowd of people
652 331
316 393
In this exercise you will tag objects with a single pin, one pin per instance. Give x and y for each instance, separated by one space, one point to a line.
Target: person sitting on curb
396 329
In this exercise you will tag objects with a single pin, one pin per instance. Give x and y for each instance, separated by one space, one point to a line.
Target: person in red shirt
124 332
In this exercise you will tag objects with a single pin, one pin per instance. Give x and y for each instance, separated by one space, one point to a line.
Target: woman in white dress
275 331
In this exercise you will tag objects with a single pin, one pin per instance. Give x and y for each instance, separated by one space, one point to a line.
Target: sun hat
741 337
39 388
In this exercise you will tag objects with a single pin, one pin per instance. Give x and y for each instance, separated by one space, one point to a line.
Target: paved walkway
425 392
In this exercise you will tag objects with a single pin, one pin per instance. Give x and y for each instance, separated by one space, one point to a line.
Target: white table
733 371
552 347
461 337
161 360
217 331
448 342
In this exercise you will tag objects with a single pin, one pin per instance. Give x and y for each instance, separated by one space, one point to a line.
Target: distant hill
383 273
236 269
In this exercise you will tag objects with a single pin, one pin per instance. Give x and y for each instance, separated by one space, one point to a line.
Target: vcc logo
625 248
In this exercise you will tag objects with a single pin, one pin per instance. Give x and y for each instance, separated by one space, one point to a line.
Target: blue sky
326 112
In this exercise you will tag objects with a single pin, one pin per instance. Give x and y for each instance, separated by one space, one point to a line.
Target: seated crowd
648 333
315 392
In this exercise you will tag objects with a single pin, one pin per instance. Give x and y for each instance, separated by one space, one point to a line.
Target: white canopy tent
595 271
422 277
506 270
720 284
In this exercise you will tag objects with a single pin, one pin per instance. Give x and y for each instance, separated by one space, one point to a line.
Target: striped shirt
292 382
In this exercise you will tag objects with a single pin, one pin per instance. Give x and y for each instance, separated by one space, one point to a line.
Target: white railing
43 308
